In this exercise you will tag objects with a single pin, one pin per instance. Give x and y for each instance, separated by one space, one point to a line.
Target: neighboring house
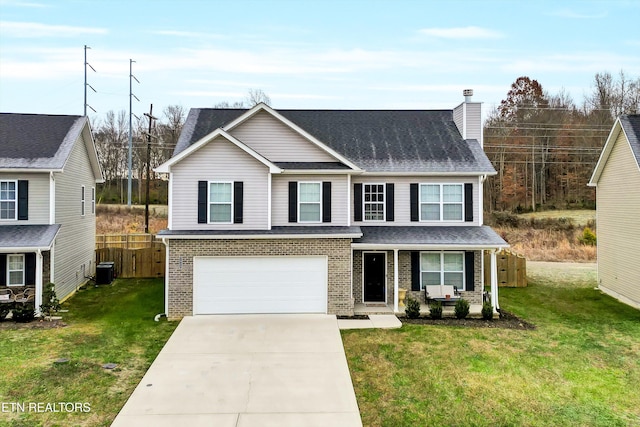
617 181
279 211
48 173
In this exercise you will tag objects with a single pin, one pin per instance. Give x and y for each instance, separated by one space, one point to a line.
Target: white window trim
9 271
209 203
319 203
384 202
82 201
441 203
93 200
464 273
15 201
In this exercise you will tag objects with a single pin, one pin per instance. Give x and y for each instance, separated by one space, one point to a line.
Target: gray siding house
48 173
288 211
617 181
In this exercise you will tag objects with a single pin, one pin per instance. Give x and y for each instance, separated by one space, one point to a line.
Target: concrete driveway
247 370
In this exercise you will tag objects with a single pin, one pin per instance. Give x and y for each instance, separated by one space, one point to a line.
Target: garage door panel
260 285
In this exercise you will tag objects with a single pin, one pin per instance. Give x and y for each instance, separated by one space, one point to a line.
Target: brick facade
181 253
404 277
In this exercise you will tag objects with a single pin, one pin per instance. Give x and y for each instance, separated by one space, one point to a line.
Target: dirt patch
506 321
35 324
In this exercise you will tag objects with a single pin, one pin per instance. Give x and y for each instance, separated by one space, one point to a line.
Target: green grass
108 324
580 367
579 217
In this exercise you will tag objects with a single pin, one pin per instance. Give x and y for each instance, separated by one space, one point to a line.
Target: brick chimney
468 118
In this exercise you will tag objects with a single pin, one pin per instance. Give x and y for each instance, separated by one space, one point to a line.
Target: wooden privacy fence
512 269
134 255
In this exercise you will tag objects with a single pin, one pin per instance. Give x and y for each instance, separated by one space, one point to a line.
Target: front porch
362 309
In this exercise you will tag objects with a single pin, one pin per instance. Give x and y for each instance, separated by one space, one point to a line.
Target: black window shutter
30 269
415 271
23 200
357 202
468 202
469 270
202 202
293 201
326 201
413 196
389 203
238 190
3 269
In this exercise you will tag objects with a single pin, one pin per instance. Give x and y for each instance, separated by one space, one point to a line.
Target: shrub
435 310
413 308
461 309
24 313
487 311
588 237
50 303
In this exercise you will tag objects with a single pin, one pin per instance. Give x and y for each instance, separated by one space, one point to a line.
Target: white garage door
280 284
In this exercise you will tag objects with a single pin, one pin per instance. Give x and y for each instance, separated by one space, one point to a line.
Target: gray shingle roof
311 165
27 236
631 126
278 230
37 141
433 236
375 140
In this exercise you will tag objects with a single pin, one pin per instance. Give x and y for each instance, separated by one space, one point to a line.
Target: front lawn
580 367
108 324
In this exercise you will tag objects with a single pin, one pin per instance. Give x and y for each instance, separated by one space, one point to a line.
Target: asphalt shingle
27 236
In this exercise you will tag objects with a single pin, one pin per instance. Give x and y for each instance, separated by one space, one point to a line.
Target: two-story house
289 211
48 172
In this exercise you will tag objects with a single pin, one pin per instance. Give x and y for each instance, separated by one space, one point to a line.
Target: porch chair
28 295
7 296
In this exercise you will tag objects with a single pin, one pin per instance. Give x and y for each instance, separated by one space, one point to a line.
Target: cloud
462 33
5 3
36 30
568 13
188 34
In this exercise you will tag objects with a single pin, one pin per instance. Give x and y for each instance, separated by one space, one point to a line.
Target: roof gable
43 142
629 126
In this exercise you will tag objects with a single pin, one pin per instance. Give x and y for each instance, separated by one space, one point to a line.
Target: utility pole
149 136
130 159
86 64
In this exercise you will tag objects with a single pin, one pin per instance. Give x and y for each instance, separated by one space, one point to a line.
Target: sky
349 54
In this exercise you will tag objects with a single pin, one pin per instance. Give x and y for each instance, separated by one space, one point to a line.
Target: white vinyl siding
442 268
219 161
8 200
402 197
75 244
309 201
39 196
618 223
280 194
220 202
277 141
373 200
15 270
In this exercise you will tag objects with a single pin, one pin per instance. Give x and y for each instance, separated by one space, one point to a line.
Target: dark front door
374 276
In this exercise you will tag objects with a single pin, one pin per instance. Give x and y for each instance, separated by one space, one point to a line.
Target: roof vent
468 93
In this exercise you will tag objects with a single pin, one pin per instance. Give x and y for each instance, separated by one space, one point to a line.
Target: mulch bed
506 321
34 324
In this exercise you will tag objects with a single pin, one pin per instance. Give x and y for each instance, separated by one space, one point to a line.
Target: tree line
544 146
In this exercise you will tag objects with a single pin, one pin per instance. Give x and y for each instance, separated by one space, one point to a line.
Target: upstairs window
221 202
8 199
374 199
441 202
82 200
309 202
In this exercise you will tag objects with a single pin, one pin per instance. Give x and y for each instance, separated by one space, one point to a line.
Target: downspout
166 282
38 301
494 280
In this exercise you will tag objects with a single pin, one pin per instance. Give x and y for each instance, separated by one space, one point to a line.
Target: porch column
494 279
38 281
395 280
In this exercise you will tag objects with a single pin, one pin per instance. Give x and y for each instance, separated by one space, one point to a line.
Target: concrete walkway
245 371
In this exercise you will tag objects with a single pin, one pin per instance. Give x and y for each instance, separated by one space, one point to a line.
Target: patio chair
28 295
7 296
